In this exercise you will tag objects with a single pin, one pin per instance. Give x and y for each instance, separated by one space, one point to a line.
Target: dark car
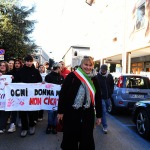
141 118
128 90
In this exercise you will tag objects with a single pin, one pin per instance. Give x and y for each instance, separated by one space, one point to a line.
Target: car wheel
143 124
111 108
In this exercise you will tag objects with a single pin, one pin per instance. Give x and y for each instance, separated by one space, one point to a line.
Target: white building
40 56
74 55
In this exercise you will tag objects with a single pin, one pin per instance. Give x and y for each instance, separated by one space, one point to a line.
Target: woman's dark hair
20 61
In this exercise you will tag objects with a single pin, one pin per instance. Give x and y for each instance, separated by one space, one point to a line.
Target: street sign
1 57
2 51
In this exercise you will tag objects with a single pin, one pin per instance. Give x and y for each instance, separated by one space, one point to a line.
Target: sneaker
19 123
8 121
40 119
31 130
48 130
23 133
35 122
54 131
2 131
12 128
105 130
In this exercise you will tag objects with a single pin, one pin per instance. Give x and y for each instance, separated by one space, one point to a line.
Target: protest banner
3 80
31 96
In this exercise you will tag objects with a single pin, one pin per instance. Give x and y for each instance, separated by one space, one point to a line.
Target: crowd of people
83 100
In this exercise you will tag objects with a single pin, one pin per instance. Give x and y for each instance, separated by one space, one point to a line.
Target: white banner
31 96
3 80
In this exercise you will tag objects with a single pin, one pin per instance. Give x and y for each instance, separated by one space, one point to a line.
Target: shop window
140 64
134 64
140 19
137 68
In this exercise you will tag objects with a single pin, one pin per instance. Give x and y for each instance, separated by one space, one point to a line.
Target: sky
61 24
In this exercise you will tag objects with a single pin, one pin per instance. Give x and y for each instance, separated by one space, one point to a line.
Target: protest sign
3 80
31 96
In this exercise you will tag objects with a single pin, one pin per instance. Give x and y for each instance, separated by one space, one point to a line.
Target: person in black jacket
55 78
17 66
79 101
107 86
28 74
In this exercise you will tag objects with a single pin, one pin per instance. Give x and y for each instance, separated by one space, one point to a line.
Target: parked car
128 90
141 118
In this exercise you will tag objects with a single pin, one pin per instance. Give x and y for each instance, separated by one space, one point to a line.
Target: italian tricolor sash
84 78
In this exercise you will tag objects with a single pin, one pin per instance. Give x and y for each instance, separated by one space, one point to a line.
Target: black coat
78 123
106 84
28 75
54 78
14 72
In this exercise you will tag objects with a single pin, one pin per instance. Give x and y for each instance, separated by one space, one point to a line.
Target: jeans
105 106
52 118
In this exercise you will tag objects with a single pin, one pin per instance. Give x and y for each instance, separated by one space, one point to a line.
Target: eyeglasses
88 57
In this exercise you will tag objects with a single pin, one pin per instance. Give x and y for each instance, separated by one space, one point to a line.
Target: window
137 82
36 51
36 57
140 20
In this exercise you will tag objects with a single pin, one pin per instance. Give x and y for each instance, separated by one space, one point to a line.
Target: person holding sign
79 100
28 74
4 70
41 69
13 120
55 78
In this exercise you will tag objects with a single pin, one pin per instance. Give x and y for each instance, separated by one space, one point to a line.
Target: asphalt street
119 137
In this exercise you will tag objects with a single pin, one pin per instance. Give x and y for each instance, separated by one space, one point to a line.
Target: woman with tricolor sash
79 101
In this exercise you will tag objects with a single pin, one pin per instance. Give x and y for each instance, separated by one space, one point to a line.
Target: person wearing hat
55 78
28 74
107 86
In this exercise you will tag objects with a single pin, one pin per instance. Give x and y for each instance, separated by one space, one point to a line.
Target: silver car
128 90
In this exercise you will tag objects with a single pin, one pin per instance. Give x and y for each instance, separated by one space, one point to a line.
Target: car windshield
137 82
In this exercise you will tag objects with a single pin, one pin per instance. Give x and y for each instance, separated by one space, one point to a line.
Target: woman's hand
98 121
60 116
1 74
12 77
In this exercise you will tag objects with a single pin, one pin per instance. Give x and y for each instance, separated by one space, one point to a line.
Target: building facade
40 56
74 55
120 36
125 35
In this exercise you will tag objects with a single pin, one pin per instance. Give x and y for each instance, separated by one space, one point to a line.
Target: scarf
105 75
86 91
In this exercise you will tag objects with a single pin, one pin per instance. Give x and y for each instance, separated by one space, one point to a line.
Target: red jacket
65 72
